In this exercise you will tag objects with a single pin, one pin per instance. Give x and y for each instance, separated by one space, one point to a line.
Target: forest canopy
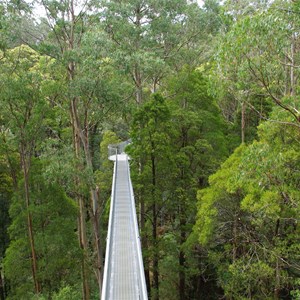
207 94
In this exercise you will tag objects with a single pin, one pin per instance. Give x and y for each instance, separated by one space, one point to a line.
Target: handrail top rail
120 147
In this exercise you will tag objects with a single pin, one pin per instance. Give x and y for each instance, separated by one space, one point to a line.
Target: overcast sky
40 12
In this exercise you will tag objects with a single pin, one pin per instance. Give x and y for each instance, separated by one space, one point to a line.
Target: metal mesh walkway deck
123 274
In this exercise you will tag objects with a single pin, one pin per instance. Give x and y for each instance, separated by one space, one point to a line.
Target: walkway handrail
117 148
142 282
110 231
122 183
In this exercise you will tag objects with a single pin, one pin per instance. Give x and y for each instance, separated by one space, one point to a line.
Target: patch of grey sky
39 10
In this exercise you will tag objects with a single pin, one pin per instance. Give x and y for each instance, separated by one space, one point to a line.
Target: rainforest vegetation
207 92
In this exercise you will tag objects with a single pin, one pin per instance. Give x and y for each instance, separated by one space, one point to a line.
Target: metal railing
141 274
107 271
115 150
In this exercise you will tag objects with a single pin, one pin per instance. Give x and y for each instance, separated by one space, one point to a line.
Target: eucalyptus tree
149 37
2 24
181 141
89 97
150 40
263 69
25 82
8 161
199 146
151 143
247 217
23 110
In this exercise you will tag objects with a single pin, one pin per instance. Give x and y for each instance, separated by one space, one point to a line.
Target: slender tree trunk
182 208
67 42
83 246
94 204
84 140
138 84
287 76
292 74
235 238
2 290
82 210
97 242
154 231
243 122
137 71
34 266
182 258
277 268
142 228
277 282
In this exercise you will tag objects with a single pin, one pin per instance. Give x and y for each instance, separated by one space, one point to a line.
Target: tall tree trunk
138 84
94 203
34 266
182 222
84 247
287 76
292 73
277 267
2 291
97 240
142 228
235 237
154 231
83 139
82 210
137 70
182 257
277 281
243 122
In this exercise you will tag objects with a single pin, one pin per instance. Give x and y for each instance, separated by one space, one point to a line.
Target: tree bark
94 203
34 265
154 231
182 258
277 267
292 73
84 247
98 248
235 237
138 85
142 227
2 290
82 209
277 281
243 122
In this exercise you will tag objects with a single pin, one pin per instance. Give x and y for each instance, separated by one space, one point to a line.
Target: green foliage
223 190
183 138
149 38
105 172
6 191
246 279
247 216
245 242
55 240
67 293
258 77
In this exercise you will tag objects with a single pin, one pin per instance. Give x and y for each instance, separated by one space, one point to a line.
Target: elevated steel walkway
124 277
